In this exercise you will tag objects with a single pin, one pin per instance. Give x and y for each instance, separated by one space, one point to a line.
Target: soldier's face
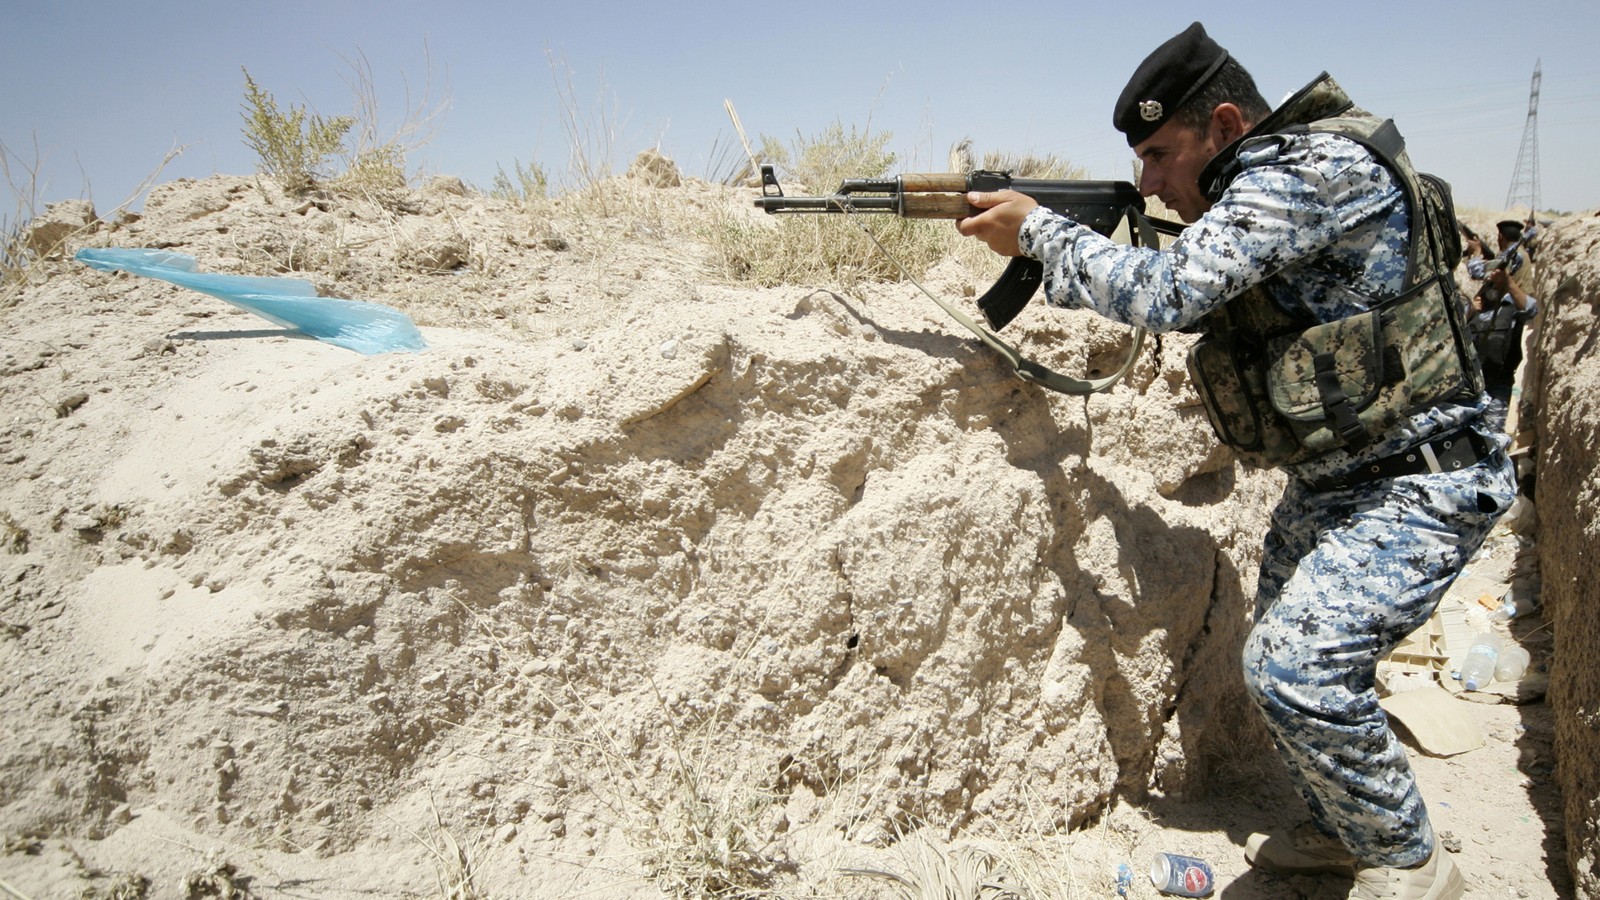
1173 158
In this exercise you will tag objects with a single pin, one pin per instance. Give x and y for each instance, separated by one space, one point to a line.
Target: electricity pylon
1525 180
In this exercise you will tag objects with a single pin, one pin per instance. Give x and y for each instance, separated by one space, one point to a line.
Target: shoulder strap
1322 98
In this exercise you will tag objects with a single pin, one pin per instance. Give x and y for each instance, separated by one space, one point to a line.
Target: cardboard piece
1473 583
1423 652
1434 650
1439 725
1459 633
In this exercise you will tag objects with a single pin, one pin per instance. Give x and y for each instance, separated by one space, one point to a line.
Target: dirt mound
633 578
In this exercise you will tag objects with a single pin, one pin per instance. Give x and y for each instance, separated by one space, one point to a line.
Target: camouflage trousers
1498 408
1346 575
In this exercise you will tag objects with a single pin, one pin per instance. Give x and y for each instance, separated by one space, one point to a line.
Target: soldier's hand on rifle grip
1001 220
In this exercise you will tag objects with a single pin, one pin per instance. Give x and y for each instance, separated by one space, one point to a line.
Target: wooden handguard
934 182
936 206
935 195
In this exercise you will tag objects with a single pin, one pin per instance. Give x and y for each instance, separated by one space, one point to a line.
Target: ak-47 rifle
1101 205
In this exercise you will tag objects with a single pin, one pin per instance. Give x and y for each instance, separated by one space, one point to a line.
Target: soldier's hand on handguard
1001 220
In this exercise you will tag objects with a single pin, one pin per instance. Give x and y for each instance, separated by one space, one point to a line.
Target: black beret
1165 81
1510 229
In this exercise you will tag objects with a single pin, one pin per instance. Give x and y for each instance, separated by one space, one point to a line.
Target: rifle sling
1142 230
1032 372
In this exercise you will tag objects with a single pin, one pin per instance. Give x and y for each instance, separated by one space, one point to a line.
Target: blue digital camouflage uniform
1346 574
1513 257
1497 333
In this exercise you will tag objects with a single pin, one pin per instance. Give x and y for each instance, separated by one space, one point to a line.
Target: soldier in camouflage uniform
1500 309
1368 534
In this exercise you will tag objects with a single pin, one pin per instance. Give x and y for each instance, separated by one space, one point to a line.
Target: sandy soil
281 620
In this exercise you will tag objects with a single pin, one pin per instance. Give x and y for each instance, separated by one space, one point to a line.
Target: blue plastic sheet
289 302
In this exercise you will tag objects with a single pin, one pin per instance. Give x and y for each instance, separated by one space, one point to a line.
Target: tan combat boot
1304 850
1436 879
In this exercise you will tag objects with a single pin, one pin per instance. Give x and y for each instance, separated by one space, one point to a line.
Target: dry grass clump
702 836
826 249
13 258
26 238
376 174
298 148
931 872
294 147
455 866
531 185
829 249
705 841
375 158
1034 858
1020 165
24 184
588 192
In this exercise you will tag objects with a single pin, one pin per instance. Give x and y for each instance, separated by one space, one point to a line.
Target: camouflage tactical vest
1281 388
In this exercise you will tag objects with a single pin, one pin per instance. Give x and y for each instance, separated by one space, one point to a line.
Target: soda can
1184 876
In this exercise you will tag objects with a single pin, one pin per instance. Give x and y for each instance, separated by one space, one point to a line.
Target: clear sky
94 94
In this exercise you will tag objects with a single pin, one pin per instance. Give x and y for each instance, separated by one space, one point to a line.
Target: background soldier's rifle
1491 261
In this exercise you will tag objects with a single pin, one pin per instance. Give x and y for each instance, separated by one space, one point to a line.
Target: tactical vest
1281 388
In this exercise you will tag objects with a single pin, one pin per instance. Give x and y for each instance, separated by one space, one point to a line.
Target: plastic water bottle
1477 670
1512 664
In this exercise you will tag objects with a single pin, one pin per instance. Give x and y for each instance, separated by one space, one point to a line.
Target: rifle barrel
836 203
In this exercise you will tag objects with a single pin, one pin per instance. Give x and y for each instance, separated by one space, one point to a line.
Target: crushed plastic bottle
1513 662
1477 670
1124 879
1506 611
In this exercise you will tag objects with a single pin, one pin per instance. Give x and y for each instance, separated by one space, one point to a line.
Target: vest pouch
1234 393
1437 359
1322 379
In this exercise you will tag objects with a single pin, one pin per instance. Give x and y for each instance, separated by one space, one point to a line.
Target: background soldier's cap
1165 81
1510 229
